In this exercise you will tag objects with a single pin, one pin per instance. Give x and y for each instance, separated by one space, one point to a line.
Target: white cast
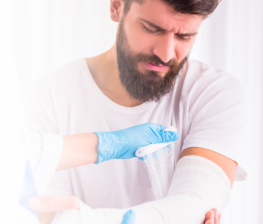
198 185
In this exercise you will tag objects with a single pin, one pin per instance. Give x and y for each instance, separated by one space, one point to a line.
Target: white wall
50 33
232 40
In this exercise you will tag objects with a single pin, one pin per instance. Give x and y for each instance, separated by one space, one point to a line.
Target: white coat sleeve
40 112
44 153
13 151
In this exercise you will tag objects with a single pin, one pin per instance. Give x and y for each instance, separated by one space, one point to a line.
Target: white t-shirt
207 106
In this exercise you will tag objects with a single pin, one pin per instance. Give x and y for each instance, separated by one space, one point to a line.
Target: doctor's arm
48 152
69 151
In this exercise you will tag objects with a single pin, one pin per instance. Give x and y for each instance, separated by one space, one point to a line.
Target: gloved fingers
129 217
156 127
170 146
169 136
146 157
158 153
141 158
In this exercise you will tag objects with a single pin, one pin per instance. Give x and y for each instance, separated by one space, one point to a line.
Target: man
29 158
146 77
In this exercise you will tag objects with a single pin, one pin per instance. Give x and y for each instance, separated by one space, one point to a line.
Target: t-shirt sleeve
218 117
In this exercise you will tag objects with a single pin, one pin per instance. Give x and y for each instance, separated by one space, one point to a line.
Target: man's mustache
153 59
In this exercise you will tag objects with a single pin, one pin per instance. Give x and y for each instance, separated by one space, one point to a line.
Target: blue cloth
29 189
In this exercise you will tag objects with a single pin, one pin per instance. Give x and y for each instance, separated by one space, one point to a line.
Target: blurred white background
49 33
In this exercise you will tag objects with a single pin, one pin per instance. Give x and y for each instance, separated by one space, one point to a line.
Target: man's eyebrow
152 24
162 29
186 34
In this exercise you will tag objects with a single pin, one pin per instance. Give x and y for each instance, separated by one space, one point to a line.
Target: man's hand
212 217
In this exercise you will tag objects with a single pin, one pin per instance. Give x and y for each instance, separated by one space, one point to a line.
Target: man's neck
104 70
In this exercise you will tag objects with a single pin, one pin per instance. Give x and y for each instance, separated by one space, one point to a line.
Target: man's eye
150 30
186 39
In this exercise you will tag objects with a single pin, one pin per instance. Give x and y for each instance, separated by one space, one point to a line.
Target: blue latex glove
124 143
129 217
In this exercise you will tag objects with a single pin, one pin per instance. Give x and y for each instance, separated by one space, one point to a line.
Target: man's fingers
209 215
215 216
52 204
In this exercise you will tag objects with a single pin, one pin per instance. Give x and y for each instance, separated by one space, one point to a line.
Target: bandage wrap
198 185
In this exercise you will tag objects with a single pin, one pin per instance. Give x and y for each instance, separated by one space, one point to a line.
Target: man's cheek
139 41
182 51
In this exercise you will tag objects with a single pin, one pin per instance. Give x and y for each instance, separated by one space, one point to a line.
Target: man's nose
164 48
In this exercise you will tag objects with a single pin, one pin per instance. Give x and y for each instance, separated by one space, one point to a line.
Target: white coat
15 147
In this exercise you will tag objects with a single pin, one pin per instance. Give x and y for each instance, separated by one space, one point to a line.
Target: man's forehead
163 15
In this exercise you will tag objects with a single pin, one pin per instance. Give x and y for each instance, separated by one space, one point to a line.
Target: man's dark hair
195 7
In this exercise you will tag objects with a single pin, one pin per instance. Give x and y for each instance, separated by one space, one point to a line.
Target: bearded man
147 77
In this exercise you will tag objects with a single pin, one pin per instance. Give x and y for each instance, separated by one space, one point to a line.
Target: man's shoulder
204 75
204 84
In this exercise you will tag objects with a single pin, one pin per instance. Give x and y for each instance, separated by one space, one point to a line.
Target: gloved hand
129 217
124 143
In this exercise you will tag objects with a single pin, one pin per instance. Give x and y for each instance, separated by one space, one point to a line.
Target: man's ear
116 7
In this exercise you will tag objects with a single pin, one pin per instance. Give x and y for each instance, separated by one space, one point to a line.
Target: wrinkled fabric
124 143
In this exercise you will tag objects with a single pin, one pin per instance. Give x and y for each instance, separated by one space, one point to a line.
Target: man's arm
229 166
51 204
198 186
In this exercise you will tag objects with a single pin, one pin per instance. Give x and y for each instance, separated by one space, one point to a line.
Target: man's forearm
78 150
198 186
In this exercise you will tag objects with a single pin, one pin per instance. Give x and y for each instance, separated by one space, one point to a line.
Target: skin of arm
78 150
228 166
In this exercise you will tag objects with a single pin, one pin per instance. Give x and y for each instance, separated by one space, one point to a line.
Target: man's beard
148 86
